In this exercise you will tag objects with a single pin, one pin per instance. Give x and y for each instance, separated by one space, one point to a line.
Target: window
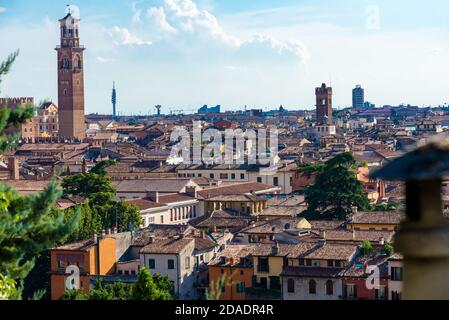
187 263
224 176
381 294
330 263
233 176
259 179
240 287
263 283
171 264
396 274
301 262
351 291
337 263
329 288
396 296
291 286
309 263
312 287
263 265
212 176
242 176
275 283
276 181
151 264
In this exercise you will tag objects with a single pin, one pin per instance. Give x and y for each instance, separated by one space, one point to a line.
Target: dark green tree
27 226
146 289
87 184
388 249
336 190
101 210
367 248
73 295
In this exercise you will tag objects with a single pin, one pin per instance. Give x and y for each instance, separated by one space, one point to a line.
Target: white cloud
2 9
104 60
200 28
158 15
123 36
137 13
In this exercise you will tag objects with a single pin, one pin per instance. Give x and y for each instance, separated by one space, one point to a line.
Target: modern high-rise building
358 97
324 105
70 80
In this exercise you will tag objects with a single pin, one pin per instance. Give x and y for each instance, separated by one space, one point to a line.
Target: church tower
70 80
324 105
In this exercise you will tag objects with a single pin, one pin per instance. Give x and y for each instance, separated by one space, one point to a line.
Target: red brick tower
70 80
324 105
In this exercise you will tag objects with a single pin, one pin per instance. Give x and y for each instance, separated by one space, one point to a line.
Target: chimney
13 166
83 166
151 239
114 230
191 191
275 249
323 234
109 231
154 196
354 210
353 235
95 238
382 241
103 233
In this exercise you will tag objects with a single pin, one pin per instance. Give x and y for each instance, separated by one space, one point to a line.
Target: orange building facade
92 257
238 278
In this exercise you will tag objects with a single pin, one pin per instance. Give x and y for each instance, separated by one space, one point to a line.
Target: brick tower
70 80
324 105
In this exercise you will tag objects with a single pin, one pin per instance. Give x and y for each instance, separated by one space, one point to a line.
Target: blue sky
260 53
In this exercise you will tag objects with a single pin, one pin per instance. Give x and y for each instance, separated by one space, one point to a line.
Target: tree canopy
100 210
336 189
147 287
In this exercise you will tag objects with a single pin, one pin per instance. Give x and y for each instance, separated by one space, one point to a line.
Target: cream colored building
281 177
47 120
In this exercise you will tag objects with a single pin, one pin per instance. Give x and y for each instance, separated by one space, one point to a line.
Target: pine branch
5 66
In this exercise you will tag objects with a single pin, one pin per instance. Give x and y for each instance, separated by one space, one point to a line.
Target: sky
183 54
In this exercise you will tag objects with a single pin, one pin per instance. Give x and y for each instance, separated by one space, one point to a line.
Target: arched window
291 286
77 63
312 287
65 63
329 288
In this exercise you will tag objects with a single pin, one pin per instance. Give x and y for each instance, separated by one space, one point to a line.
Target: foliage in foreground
147 287
27 226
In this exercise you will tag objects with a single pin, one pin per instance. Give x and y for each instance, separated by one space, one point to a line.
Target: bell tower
324 105
70 80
